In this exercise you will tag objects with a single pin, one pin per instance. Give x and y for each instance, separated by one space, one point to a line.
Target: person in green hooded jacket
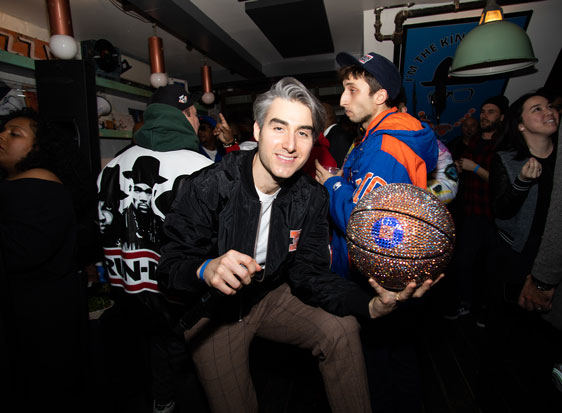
136 190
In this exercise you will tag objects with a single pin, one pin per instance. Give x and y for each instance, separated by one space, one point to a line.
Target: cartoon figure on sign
447 90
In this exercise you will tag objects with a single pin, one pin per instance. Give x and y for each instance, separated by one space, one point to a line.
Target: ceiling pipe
403 15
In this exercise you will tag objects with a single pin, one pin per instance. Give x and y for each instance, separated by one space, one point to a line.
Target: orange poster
24 45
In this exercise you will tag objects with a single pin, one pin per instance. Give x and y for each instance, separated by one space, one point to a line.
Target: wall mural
427 54
23 45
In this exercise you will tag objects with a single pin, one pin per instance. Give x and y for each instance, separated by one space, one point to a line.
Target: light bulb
63 46
158 79
104 107
208 98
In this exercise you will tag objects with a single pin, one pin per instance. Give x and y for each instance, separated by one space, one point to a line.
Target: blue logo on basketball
387 232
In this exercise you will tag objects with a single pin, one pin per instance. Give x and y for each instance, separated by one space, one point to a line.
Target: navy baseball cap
379 67
174 95
209 120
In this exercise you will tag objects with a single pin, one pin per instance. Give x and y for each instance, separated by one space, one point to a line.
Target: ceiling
217 32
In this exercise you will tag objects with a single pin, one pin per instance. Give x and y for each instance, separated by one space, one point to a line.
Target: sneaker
460 311
481 317
557 376
163 408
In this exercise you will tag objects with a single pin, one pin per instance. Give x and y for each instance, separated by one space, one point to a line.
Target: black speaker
66 94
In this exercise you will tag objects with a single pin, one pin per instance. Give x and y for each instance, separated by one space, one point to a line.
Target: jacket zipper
240 318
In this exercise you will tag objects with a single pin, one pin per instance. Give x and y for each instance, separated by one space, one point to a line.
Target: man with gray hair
250 235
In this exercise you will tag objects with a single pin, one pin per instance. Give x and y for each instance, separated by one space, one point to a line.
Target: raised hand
223 131
531 170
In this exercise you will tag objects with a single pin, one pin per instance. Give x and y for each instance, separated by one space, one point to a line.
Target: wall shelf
17 60
122 87
14 62
117 134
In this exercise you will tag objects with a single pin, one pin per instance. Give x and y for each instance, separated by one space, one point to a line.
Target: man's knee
341 332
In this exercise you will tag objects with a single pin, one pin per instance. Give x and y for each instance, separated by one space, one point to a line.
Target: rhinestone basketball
400 233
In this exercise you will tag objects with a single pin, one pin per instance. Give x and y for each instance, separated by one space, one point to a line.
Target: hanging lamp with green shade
494 46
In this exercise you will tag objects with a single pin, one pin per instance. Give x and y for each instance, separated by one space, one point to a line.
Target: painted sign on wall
24 45
432 95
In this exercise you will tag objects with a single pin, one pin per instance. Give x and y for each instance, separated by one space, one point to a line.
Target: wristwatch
542 286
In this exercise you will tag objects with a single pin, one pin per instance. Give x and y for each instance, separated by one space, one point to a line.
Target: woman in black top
44 308
521 180
521 177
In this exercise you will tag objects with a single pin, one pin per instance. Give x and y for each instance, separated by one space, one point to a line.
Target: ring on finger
398 297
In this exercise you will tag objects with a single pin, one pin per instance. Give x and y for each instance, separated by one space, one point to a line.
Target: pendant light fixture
208 95
62 43
494 46
158 75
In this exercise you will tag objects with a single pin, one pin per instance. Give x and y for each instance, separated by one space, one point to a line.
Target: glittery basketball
400 233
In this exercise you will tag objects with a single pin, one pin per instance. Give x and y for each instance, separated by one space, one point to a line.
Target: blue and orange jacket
397 148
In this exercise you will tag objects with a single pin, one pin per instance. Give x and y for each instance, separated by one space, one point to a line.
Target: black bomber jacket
218 209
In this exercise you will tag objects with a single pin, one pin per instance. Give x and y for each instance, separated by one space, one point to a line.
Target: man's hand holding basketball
386 301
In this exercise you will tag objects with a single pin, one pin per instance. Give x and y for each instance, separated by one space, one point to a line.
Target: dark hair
56 150
550 93
512 137
53 149
399 99
357 72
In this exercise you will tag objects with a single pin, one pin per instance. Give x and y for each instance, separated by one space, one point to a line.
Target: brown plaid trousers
221 352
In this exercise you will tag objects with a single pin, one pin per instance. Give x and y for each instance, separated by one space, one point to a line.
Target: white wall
23 27
545 32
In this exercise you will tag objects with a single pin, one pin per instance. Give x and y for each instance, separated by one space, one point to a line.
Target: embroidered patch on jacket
336 186
294 235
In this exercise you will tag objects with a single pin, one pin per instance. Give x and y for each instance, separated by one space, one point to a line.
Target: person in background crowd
321 152
136 192
369 84
443 181
216 139
473 249
44 306
395 148
255 228
340 139
521 178
457 146
469 131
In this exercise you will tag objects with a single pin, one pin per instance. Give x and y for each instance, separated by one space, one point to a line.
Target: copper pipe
206 79
404 14
156 51
59 17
